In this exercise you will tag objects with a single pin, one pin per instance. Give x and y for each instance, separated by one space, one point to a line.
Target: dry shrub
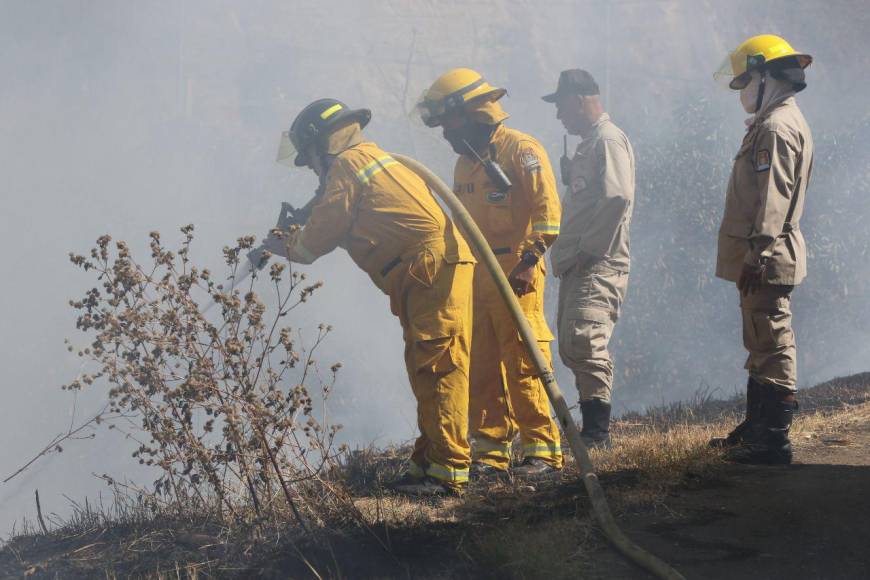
225 410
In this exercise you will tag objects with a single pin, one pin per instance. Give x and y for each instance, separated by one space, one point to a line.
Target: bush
224 410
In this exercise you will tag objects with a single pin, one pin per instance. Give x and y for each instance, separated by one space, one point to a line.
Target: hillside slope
672 495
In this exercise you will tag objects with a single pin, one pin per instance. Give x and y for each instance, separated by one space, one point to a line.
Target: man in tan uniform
384 215
760 243
518 212
591 255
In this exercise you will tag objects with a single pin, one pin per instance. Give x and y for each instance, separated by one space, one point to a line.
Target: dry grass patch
509 529
397 510
824 425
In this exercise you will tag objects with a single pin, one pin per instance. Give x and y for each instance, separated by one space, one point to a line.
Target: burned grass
498 529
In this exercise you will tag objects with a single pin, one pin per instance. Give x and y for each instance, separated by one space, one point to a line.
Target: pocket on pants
433 335
434 356
768 331
544 336
527 366
424 268
588 335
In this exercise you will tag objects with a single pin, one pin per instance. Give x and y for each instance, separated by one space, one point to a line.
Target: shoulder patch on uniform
578 184
530 160
762 160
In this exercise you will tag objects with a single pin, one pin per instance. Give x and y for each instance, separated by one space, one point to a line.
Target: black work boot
423 487
773 446
750 429
533 467
596 424
481 470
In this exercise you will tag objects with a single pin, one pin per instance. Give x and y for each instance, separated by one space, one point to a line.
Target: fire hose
600 508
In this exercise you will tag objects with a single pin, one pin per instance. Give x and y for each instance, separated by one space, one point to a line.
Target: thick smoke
123 118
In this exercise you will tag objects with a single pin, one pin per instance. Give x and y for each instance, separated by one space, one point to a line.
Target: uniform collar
601 120
586 139
596 126
494 141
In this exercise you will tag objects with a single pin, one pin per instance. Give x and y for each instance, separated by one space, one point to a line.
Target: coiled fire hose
600 508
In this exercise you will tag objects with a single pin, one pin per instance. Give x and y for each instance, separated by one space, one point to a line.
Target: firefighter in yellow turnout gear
505 180
386 218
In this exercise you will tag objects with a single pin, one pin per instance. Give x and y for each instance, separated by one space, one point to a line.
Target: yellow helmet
460 88
755 54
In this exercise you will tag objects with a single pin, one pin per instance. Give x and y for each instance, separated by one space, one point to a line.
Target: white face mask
749 94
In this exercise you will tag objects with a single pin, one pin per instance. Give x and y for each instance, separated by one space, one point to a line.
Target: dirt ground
810 520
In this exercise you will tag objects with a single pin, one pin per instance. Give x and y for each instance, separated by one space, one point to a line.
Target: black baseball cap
574 81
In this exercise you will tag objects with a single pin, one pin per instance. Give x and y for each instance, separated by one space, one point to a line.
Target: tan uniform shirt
597 206
765 198
382 213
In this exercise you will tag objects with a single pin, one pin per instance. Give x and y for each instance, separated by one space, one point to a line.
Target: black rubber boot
773 447
596 423
749 430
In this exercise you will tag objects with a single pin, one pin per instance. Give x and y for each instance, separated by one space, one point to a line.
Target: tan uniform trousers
590 298
768 336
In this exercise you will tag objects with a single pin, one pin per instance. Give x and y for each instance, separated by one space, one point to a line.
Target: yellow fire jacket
380 212
526 217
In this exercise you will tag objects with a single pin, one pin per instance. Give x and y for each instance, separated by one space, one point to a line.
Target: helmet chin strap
760 98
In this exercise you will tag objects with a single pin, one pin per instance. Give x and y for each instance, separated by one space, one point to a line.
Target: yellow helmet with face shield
757 54
460 88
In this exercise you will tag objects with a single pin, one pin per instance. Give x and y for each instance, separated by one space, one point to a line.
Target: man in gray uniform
761 248
591 254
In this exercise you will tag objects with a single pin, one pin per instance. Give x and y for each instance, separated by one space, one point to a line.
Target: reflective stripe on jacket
381 212
524 217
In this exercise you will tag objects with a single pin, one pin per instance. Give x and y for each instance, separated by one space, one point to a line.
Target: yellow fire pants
506 395
433 302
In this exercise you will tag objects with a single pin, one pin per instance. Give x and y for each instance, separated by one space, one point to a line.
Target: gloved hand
276 243
521 278
751 279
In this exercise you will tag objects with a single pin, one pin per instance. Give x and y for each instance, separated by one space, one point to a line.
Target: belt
412 251
501 251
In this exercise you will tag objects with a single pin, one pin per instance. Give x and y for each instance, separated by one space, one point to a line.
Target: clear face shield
286 151
428 110
727 78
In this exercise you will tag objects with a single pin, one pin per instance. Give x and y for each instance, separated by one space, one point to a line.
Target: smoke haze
122 118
